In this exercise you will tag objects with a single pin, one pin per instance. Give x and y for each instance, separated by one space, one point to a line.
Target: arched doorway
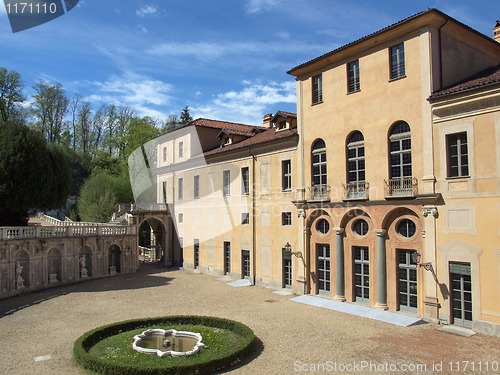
54 265
114 259
152 241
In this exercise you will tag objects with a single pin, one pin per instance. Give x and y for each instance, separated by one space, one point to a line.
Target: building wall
55 261
468 227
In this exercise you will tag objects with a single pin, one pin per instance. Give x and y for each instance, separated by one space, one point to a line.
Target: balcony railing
355 190
319 193
401 187
148 207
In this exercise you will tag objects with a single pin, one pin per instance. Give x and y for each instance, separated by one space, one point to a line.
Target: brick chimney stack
266 121
496 32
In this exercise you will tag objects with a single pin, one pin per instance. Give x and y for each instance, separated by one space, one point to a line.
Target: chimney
496 32
266 121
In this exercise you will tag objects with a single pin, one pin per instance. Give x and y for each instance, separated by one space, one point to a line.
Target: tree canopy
11 86
32 174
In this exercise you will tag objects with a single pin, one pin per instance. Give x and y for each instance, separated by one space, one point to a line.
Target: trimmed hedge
195 366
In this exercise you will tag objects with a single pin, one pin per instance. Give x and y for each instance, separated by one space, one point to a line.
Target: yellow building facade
229 189
382 190
372 197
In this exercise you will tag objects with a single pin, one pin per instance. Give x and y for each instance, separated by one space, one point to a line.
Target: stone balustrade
68 231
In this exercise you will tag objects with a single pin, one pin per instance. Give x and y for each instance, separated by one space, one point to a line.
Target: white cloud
256 6
249 104
134 89
147 10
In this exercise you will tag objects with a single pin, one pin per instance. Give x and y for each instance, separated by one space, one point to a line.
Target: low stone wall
31 259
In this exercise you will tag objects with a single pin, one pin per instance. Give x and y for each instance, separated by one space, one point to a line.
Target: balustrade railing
319 193
149 207
39 232
355 190
401 187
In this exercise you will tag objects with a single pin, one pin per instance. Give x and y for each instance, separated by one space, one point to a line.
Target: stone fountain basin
168 342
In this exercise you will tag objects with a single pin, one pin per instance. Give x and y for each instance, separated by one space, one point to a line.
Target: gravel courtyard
38 330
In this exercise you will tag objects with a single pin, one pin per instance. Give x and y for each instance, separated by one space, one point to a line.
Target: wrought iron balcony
401 187
355 190
319 193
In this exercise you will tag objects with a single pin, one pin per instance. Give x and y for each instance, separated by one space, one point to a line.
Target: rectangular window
226 183
286 175
165 192
227 258
317 89
181 218
286 218
196 187
245 181
245 218
181 149
353 80
457 155
164 154
196 253
282 125
180 183
397 61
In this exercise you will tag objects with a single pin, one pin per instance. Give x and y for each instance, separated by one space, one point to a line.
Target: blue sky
225 59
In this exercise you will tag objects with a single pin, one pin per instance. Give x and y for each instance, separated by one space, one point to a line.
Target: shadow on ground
145 277
259 348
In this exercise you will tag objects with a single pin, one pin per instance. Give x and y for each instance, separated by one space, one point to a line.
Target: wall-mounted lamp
416 257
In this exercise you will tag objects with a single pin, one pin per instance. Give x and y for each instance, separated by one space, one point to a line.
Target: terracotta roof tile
483 78
263 137
229 127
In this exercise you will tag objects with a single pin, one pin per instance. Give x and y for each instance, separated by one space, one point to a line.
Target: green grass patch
108 349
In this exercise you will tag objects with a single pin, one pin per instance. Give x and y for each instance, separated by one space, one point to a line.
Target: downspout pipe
254 231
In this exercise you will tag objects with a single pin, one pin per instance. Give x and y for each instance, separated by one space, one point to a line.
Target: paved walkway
38 330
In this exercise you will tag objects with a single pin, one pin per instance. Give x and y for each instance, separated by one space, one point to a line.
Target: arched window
356 158
401 181
400 148
356 186
319 180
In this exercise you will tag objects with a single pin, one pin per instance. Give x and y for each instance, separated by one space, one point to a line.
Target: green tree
172 122
11 87
185 116
49 109
100 195
32 175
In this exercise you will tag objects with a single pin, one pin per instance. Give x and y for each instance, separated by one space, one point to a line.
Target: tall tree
32 175
172 122
11 87
49 109
84 126
186 116
74 107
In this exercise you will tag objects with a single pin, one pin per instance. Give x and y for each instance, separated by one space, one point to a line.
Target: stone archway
152 241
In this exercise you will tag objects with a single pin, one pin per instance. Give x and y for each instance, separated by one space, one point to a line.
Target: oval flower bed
108 349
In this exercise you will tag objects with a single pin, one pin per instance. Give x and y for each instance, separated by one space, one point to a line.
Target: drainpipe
254 232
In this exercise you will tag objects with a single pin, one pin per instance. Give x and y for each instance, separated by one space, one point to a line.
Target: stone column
339 266
381 271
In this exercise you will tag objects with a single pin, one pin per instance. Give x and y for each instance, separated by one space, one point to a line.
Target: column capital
301 213
338 230
380 232
431 210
